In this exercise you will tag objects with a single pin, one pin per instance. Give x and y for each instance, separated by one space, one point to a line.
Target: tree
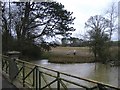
64 41
6 31
98 36
32 21
111 14
75 42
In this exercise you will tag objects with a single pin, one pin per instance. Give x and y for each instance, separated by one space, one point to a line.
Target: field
66 55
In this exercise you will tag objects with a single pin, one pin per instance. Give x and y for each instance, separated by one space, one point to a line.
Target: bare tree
97 27
111 14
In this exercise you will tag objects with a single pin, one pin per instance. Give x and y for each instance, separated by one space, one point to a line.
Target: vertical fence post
39 80
58 80
36 77
7 66
3 64
101 87
23 74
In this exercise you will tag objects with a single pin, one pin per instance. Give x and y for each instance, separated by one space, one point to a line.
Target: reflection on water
45 61
96 71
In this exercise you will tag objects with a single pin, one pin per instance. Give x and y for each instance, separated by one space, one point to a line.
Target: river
95 71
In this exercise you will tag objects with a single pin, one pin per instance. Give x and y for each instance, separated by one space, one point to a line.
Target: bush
32 51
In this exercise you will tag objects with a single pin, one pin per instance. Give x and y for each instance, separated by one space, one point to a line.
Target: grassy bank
70 59
65 55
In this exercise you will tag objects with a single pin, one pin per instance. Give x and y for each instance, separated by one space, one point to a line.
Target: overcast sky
83 9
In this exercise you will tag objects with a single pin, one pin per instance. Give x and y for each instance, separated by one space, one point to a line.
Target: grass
65 55
114 53
70 59
83 55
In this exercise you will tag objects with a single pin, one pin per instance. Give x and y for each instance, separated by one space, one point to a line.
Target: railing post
36 77
2 64
6 67
101 87
23 74
7 63
39 80
58 80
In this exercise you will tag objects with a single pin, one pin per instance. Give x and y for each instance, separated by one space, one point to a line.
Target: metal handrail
58 78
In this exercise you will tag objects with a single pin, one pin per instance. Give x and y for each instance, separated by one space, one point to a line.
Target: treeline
76 42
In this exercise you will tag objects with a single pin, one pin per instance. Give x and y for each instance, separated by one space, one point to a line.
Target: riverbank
71 59
67 55
81 55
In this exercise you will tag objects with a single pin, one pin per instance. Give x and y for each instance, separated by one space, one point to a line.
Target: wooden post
39 80
36 77
101 87
7 63
58 81
23 74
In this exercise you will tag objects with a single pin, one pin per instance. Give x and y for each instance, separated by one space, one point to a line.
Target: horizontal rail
74 83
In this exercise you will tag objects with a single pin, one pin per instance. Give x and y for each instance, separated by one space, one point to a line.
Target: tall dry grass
83 55
65 55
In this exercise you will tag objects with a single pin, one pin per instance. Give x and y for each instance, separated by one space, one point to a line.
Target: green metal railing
32 76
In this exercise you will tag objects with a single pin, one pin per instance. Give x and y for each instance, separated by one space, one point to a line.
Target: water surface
95 71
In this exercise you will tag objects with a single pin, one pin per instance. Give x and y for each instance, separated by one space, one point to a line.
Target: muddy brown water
95 71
